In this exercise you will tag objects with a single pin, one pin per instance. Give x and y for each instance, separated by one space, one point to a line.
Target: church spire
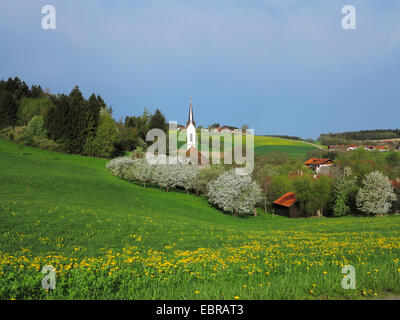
191 118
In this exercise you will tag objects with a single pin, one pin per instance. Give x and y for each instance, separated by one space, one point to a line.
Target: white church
194 155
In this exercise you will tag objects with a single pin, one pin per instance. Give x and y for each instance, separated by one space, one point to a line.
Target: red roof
196 156
379 147
287 200
395 184
317 161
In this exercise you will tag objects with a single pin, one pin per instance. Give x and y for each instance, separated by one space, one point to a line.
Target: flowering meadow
111 239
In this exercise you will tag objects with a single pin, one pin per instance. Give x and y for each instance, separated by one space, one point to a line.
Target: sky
279 66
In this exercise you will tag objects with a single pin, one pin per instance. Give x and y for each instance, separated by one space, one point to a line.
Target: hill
110 239
294 148
266 144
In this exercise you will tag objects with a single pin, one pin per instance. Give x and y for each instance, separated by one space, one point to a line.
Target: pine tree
77 121
8 109
157 121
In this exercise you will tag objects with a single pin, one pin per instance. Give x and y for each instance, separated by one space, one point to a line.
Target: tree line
363 135
70 123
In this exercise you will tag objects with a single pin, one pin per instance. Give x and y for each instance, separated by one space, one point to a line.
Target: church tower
191 137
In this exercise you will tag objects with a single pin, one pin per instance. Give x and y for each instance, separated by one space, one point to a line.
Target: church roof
196 157
190 117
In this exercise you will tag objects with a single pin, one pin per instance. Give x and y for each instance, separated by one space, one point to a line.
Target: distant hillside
363 135
294 148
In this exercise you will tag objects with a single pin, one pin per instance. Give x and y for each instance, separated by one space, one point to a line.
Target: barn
287 206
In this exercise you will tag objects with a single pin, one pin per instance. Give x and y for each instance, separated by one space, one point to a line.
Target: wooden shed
287 206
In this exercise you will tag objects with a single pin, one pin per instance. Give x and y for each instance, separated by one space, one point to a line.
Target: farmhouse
352 147
337 147
319 166
221 130
287 206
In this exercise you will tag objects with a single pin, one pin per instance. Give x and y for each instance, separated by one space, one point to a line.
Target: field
110 239
264 145
296 149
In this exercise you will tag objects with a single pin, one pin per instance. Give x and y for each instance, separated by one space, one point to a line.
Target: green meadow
111 239
264 145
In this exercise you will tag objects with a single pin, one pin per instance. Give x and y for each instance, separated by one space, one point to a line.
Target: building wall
191 137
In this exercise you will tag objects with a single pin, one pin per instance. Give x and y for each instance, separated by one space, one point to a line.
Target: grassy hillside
294 148
264 145
110 239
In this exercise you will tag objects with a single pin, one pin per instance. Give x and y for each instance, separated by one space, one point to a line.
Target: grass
110 239
264 145
295 148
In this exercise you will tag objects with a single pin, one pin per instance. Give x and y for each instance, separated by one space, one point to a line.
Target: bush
119 166
207 175
169 176
234 193
47 144
35 128
376 195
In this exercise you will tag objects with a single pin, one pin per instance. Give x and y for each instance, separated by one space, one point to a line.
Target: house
319 166
287 206
352 147
337 147
376 148
380 148
221 130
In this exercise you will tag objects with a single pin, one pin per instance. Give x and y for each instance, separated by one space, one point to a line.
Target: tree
376 195
234 193
8 109
77 121
30 107
56 121
157 121
313 194
345 190
102 144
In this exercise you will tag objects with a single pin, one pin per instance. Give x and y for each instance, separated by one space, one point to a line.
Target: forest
70 123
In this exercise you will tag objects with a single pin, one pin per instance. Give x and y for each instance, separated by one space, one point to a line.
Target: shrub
35 128
234 193
119 166
46 144
206 175
376 195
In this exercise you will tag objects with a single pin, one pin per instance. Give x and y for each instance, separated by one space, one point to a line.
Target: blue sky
280 66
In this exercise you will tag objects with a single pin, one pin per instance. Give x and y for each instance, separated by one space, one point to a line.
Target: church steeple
191 135
191 118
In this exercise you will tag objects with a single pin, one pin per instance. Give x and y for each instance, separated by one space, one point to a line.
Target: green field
264 145
295 148
110 239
